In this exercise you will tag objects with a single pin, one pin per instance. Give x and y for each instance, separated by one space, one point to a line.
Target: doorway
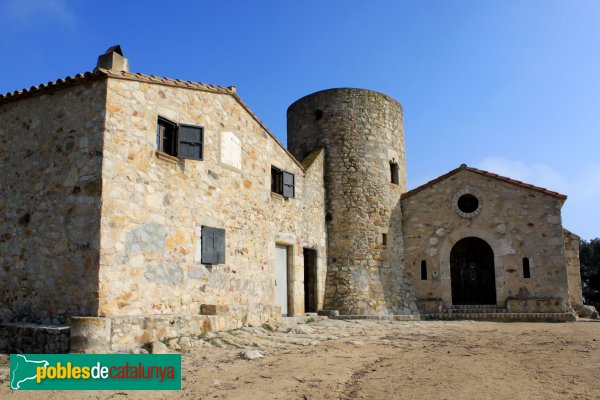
281 278
310 280
472 272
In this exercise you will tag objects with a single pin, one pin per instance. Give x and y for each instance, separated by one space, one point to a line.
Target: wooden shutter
288 184
213 245
189 142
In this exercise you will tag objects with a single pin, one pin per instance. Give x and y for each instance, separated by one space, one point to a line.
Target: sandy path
382 360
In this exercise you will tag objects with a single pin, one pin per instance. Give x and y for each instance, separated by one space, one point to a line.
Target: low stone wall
128 333
535 305
429 306
33 338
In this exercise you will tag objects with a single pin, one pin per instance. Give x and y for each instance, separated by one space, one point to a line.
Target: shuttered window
213 245
283 182
183 141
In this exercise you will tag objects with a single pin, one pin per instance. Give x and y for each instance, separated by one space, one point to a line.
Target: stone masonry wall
516 222
153 209
361 132
51 161
572 242
313 216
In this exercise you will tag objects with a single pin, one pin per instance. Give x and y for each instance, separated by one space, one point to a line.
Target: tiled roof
464 167
166 81
99 73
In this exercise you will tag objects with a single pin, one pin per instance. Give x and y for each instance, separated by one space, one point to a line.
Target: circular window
468 203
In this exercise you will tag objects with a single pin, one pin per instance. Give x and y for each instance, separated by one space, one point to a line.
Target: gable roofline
464 167
102 73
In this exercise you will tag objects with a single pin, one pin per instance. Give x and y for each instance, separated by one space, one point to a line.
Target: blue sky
508 86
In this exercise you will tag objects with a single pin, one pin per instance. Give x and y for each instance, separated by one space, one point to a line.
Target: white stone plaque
231 150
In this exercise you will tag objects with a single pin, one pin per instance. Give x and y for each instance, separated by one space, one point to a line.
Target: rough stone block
90 334
214 309
329 313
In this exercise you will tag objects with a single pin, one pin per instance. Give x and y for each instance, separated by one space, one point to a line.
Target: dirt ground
362 359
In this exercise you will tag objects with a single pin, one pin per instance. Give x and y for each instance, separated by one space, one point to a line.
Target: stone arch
444 262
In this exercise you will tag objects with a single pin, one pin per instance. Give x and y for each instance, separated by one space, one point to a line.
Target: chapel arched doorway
472 272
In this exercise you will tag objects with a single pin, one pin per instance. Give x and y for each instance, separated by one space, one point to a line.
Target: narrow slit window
394 172
526 270
423 270
384 239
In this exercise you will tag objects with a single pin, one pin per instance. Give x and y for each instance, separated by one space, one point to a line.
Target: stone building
136 208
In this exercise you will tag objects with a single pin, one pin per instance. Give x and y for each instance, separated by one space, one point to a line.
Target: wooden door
472 272
281 278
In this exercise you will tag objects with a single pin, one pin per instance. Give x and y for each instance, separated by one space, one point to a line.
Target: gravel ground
332 359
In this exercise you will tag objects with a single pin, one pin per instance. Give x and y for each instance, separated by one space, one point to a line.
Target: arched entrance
472 272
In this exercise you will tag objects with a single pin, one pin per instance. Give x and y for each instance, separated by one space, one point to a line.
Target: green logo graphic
95 371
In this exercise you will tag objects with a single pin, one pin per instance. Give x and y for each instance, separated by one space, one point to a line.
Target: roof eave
463 167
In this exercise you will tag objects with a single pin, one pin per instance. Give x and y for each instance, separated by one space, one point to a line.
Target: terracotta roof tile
101 72
464 167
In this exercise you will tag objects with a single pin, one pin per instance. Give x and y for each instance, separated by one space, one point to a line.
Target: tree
589 257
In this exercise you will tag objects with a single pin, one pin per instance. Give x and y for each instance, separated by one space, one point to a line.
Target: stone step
474 310
303 319
502 316
474 306
398 317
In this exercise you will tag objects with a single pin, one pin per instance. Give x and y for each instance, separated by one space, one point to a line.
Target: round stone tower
365 173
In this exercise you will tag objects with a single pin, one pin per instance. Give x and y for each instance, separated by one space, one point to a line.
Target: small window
183 141
276 180
165 136
283 182
423 270
384 239
526 270
394 172
213 245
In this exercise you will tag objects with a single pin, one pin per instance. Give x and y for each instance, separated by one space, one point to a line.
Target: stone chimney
113 59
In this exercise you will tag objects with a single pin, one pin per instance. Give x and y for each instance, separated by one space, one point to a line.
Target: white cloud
581 212
25 13
537 174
